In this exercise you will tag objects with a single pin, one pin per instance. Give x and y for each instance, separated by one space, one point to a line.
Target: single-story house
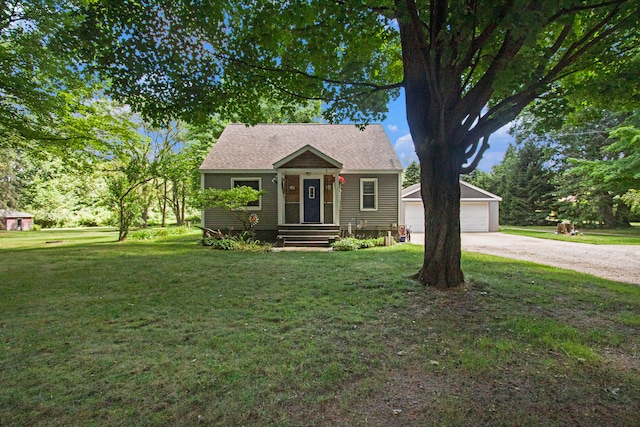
478 209
319 180
11 220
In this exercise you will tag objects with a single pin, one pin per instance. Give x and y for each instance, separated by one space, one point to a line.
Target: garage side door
474 217
414 216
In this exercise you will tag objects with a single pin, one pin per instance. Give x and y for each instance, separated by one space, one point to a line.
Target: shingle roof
467 191
259 147
10 213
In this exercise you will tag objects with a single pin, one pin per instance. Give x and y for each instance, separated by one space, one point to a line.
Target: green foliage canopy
46 95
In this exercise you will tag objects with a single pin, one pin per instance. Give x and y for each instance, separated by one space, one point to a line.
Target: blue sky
398 131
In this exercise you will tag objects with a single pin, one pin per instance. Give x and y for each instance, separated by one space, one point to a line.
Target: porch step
320 235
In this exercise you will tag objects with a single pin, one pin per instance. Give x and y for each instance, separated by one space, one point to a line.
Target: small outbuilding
479 209
11 220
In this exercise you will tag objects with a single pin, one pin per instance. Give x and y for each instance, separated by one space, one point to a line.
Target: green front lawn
166 332
624 236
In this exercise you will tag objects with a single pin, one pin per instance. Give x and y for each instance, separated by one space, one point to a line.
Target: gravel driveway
615 262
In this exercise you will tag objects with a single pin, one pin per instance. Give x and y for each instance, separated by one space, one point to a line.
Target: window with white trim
368 194
256 184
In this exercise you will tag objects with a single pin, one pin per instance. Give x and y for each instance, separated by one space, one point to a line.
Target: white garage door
414 216
474 217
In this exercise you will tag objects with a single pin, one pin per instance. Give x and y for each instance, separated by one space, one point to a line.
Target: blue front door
312 200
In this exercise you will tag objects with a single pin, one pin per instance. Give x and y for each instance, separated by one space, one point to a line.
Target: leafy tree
467 69
165 144
614 176
177 169
482 179
129 164
580 141
45 94
279 112
61 196
624 166
126 179
411 174
632 199
11 163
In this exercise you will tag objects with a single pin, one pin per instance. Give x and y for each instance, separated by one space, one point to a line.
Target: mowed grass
622 236
167 332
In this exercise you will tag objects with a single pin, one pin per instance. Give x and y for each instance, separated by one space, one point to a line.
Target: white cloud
405 150
503 132
393 128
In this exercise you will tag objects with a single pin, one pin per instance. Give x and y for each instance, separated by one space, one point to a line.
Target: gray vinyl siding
268 214
388 196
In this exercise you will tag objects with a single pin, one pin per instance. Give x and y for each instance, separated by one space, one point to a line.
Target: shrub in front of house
352 244
225 244
370 243
348 244
242 242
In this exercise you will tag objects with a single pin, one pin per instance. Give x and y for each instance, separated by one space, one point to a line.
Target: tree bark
430 95
178 212
440 190
145 217
164 204
123 229
623 213
604 202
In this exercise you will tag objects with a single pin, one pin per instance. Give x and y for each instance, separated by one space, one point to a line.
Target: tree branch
474 164
582 8
481 92
510 107
477 43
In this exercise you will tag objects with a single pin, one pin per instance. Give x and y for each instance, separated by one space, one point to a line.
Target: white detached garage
478 209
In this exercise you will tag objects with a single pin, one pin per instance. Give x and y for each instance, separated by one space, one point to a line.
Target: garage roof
468 193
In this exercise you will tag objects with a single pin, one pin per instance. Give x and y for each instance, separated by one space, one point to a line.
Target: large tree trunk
439 177
438 141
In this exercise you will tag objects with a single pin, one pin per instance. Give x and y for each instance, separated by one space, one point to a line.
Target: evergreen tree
411 174
524 180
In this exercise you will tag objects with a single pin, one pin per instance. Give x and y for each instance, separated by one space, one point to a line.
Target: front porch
309 196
